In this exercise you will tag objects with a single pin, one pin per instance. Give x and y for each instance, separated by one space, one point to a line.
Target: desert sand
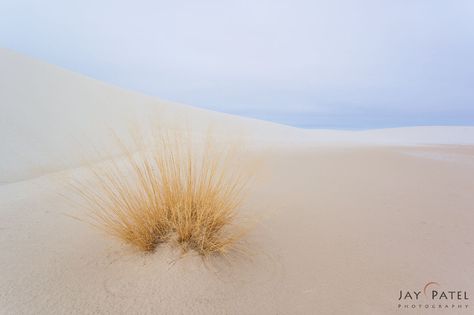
348 218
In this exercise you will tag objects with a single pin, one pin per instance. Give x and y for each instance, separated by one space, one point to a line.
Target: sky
340 64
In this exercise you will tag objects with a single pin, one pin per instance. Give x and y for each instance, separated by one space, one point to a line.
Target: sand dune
51 117
348 218
49 114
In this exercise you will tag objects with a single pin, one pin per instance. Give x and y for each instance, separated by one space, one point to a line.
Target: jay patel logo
433 296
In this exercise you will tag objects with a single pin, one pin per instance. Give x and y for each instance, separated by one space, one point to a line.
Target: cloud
267 58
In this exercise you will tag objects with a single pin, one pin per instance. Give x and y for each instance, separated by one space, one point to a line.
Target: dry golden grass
173 189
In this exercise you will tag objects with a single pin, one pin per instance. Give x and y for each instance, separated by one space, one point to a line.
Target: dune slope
52 119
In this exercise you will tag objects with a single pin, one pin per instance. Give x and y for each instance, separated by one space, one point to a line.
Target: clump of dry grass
172 190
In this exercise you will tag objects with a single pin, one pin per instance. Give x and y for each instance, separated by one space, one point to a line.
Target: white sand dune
49 116
349 218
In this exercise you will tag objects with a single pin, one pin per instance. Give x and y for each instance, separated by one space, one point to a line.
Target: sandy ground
348 219
342 231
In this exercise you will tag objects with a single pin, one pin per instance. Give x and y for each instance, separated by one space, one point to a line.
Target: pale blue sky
320 64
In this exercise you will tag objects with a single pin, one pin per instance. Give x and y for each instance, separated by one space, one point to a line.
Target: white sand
349 218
